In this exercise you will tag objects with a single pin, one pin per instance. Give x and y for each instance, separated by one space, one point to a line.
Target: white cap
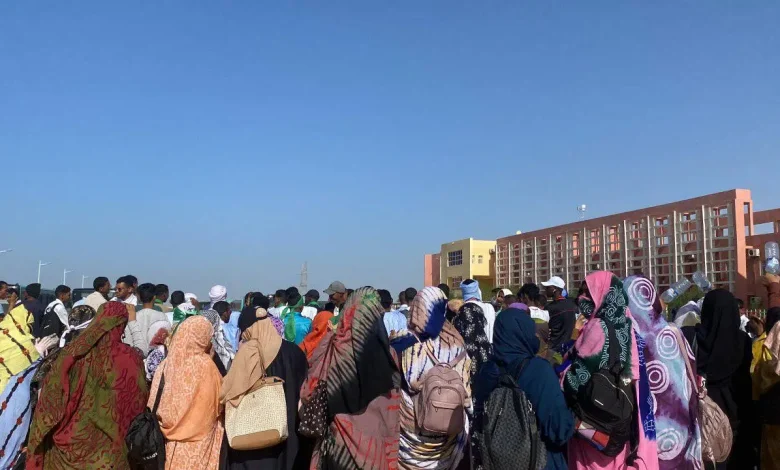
506 292
555 281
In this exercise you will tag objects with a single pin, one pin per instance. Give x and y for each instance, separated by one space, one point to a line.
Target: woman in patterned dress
189 409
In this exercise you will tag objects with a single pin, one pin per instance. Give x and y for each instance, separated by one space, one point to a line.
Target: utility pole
40 264
304 278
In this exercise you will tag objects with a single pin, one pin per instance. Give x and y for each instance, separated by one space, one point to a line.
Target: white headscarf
187 307
217 294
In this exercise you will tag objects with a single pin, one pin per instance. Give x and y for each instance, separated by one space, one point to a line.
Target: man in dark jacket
31 294
563 315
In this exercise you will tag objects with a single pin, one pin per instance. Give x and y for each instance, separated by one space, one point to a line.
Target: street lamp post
65 275
41 264
83 278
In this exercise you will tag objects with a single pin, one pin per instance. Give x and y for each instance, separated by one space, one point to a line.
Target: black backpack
510 439
51 324
144 440
606 403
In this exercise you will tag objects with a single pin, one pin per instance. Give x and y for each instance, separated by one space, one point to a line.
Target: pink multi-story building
714 234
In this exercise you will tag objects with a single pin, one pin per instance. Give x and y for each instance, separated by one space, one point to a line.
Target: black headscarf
720 343
471 324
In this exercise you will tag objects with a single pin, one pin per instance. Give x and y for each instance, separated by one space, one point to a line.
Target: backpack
51 324
144 439
607 404
439 404
510 434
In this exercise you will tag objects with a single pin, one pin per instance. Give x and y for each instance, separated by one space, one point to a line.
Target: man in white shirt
55 317
311 304
280 302
137 332
102 287
125 292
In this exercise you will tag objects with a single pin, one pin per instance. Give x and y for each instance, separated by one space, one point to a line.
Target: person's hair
3 284
260 300
402 297
740 303
350 291
221 307
61 290
33 290
531 291
755 327
132 279
510 299
446 289
410 294
160 289
13 290
281 294
146 292
329 307
292 292
177 298
99 282
293 299
124 280
469 282
385 298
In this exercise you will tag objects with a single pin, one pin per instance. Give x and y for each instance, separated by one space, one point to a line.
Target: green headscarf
288 317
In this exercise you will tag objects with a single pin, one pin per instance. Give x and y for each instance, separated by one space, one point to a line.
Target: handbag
259 419
314 413
716 434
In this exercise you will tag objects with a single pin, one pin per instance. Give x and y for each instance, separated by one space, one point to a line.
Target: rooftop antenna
581 209
304 277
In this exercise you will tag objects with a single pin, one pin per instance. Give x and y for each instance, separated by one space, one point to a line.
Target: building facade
714 234
459 260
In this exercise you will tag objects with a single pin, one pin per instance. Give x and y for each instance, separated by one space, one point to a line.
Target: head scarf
669 386
261 346
78 320
288 317
515 338
319 328
437 337
217 294
720 343
158 333
90 433
221 343
608 304
187 309
249 315
189 406
471 291
688 315
472 326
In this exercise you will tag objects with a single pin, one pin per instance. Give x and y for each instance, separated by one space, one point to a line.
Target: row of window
455 258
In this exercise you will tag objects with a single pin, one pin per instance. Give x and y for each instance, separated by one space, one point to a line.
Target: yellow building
468 259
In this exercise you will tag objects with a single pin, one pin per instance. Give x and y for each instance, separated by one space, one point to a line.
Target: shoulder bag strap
684 353
159 394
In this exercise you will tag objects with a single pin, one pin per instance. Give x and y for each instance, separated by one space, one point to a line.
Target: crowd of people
371 381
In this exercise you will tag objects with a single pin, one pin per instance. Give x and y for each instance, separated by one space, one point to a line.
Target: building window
455 258
479 259
455 282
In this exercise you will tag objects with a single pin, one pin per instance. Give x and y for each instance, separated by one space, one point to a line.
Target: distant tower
581 209
304 278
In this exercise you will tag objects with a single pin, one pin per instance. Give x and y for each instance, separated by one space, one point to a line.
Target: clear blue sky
228 142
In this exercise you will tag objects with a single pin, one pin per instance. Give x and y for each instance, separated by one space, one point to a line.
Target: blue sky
196 143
